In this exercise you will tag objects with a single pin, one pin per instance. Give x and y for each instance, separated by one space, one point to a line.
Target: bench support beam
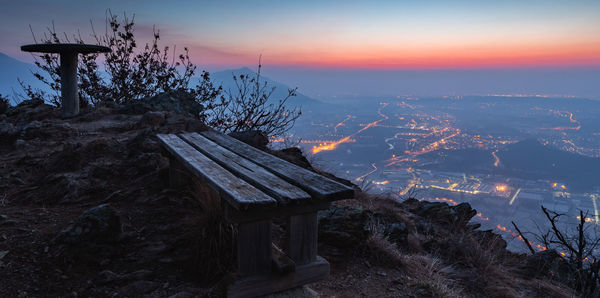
302 237
254 248
262 285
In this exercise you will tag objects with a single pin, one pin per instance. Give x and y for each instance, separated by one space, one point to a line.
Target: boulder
254 138
548 263
344 228
152 119
100 224
397 232
8 133
176 101
138 288
29 110
295 156
37 130
443 213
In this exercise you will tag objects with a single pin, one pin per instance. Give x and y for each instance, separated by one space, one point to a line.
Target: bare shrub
250 107
578 246
131 73
3 104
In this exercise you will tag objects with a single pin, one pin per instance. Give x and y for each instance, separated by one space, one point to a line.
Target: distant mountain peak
225 78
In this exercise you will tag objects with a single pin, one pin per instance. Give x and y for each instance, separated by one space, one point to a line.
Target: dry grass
424 273
210 238
462 262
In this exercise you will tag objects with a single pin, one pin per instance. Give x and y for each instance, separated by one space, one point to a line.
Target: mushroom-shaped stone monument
68 69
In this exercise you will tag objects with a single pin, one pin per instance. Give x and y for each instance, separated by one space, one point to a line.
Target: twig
524 238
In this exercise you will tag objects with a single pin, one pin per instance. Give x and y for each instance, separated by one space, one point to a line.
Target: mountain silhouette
12 69
225 78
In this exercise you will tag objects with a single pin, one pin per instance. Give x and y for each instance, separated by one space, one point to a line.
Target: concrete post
68 84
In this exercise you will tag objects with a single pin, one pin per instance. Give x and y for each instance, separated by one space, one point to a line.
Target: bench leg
254 248
178 176
302 238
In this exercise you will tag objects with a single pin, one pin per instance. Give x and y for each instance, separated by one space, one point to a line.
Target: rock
549 263
182 295
343 227
8 222
295 156
8 133
166 260
397 232
20 144
254 138
152 119
444 213
106 277
66 160
100 224
463 212
29 110
176 101
66 187
148 162
298 292
137 288
41 130
139 274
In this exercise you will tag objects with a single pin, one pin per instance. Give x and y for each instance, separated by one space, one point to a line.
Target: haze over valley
505 154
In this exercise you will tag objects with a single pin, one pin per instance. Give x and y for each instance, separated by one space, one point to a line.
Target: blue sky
303 41
360 34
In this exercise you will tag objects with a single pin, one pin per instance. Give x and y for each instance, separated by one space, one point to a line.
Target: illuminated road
361 178
333 145
496 159
348 117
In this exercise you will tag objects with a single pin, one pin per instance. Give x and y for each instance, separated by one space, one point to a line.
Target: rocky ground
86 210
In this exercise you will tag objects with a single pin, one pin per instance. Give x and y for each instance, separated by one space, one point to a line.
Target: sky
339 35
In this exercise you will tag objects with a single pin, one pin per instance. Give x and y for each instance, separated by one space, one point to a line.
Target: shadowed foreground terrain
86 210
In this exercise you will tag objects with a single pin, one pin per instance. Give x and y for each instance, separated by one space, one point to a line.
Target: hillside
86 210
527 159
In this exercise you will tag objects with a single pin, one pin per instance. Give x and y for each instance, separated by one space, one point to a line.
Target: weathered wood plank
254 248
302 238
234 190
252 173
316 185
262 285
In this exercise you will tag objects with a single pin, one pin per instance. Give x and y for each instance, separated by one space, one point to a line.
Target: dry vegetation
439 256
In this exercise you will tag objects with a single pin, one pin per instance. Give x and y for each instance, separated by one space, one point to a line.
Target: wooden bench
254 187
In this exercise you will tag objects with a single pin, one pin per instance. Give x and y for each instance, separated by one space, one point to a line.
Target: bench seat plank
234 190
316 185
252 173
